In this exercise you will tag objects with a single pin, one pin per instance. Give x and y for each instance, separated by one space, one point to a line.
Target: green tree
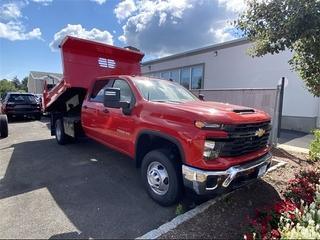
277 25
6 86
24 84
16 82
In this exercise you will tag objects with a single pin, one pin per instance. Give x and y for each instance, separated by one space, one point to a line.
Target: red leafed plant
264 225
303 186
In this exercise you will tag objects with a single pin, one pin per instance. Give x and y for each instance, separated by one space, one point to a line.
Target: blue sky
31 30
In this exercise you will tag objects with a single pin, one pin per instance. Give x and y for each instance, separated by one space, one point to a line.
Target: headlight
211 149
208 125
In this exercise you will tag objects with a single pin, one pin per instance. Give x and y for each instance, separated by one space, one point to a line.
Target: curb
154 234
293 149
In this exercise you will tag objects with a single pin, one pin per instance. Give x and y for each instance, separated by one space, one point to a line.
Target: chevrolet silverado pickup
180 143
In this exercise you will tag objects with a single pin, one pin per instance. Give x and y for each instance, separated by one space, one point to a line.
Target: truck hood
218 112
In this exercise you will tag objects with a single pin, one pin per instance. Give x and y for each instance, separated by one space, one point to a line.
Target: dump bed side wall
85 60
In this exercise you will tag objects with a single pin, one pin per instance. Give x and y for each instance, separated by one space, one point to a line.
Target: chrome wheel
158 178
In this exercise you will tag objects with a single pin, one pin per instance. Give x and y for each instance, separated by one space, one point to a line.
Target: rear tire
3 126
61 136
162 178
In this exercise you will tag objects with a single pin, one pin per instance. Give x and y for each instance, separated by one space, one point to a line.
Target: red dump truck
181 144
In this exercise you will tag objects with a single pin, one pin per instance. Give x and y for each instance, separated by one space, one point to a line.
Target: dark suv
21 104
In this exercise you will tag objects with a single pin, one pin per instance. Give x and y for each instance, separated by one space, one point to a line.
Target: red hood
215 112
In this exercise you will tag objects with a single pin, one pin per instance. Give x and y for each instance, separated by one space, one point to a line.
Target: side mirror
111 98
201 97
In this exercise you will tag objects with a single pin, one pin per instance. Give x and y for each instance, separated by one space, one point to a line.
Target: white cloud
80 32
11 27
233 5
11 11
124 9
43 2
166 27
15 31
99 1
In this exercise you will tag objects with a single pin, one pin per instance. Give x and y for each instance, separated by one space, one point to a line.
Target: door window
125 91
98 90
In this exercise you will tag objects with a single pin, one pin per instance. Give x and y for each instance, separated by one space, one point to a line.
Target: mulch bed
221 220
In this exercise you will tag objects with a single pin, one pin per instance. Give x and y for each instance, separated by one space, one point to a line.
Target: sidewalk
295 141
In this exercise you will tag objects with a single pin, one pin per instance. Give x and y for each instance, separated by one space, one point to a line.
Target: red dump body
84 60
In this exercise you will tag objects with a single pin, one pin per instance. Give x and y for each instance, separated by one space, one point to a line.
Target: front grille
249 127
245 138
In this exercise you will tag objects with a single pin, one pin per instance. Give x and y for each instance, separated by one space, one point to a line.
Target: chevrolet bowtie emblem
260 132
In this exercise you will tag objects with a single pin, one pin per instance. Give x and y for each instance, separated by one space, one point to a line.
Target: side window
126 93
98 97
97 91
4 97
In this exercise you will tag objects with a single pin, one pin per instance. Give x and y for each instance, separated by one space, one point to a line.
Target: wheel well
150 141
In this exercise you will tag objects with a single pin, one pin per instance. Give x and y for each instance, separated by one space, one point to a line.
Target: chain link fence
267 100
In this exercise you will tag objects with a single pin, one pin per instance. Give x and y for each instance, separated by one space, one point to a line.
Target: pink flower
254 222
268 218
275 233
257 211
248 236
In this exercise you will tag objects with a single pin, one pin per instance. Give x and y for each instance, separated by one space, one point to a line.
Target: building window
157 75
190 78
196 78
185 78
165 75
175 76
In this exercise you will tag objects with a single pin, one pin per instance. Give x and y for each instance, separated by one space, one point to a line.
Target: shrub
304 223
314 148
303 186
291 218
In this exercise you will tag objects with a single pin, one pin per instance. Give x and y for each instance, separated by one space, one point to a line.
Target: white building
36 80
226 66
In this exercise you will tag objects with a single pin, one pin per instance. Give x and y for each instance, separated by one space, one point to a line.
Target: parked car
39 99
21 104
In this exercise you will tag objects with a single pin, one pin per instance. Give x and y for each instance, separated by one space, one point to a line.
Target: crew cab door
92 113
118 129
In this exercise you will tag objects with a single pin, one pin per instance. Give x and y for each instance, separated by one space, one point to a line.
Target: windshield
22 98
163 91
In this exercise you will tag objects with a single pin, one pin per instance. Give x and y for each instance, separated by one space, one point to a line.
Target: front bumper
211 183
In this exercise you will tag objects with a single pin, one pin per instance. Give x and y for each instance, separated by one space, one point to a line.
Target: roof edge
235 42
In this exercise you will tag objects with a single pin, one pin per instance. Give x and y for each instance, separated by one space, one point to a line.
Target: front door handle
85 107
105 110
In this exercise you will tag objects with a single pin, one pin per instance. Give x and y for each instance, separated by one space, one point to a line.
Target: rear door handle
85 107
105 110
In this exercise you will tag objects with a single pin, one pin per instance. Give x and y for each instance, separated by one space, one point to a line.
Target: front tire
162 178
61 136
3 126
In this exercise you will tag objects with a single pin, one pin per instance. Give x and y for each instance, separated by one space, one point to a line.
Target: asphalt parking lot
80 190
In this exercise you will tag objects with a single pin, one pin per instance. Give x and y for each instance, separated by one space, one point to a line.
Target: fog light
212 149
209 152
